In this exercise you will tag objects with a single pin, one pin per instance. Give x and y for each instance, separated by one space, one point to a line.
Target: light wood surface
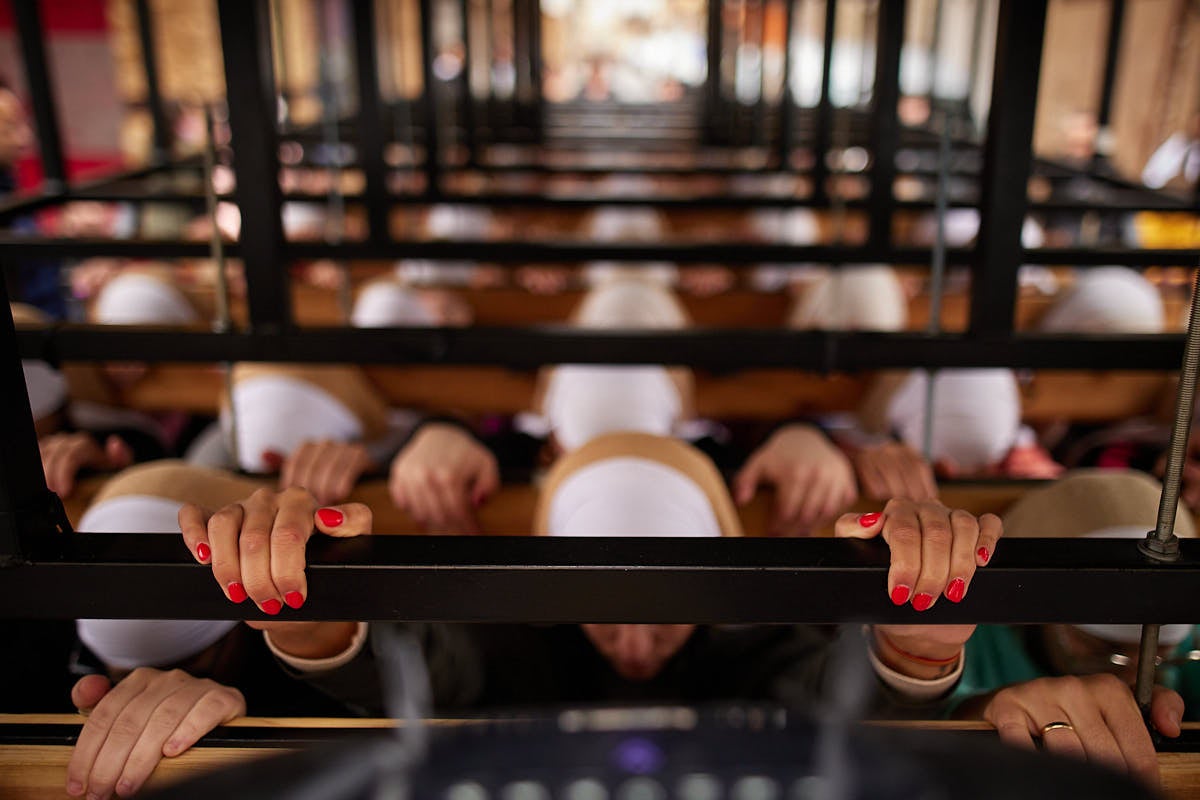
37 772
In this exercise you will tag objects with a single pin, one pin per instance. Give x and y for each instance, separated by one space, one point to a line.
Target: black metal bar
540 579
41 94
1112 55
885 125
823 128
713 106
536 88
467 102
1007 156
761 136
786 106
526 348
429 85
24 498
250 93
162 127
372 135
732 254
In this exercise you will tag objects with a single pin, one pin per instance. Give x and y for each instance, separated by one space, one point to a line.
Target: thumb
747 480
1166 711
89 690
346 520
859 526
118 454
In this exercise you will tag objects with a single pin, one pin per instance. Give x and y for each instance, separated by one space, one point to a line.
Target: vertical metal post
823 123
760 134
41 94
429 89
467 104
712 80
1112 56
534 11
250 94
885 125
23 489
1007 154
371 123
162 127
785 96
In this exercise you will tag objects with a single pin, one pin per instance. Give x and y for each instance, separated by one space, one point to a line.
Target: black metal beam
526 348
714 112
250 94
154 102
1007 157
467 100
41 94
539 579
372 135
1112 55
885 125
786 106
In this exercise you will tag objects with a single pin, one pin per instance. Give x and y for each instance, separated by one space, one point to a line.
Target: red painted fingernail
867 520
922 601
956 590
330 517
272 459
900 595
272 606
983 554
237 592
203 553
294 599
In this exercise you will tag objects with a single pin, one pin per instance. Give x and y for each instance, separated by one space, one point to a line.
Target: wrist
312 640
917 659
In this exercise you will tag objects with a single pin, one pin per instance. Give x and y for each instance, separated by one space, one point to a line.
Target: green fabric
996 656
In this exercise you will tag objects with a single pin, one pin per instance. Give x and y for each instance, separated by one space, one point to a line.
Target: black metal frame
545 580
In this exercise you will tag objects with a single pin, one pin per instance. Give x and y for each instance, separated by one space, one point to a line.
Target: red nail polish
867 520
956 590
237 592
272 460
983 554
922 601
330 517
900 595
272 606
294 599
203 552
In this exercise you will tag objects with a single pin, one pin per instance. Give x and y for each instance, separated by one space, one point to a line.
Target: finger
1064 741
419 507
872 478
1013 727
789 501
127 731
937 539
89 690
147 750
117 453
1098 742
1134 749
911 467
334 474
891 468
254 548
297 468
747 480
193 523
96 730
1166 711
902 532
293 525
990 531
813 499
216 707
928 483
487 481
455 504
965 529
345 520
224 533
859 526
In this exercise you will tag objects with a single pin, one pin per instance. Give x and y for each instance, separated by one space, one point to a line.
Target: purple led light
638 756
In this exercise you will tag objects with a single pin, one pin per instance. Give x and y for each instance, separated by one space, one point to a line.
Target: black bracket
47 517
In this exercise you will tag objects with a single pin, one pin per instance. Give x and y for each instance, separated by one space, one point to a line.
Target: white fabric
630 304
136 299
131 643
302 220
1177 154
798 226
1168 635
277 413
583 402
426 272
321 664
46 386
865 298
1108 300
659 273
625 224
387 305
962 226
976 415
630 497
916 688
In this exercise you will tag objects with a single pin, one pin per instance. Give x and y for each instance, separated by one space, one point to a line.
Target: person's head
866 297
1108 504
638 652
1107 300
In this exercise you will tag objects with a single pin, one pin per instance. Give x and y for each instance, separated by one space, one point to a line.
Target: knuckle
255 542
288 536
904 535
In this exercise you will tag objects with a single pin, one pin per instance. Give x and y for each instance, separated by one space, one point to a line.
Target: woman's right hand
149 715
257 547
